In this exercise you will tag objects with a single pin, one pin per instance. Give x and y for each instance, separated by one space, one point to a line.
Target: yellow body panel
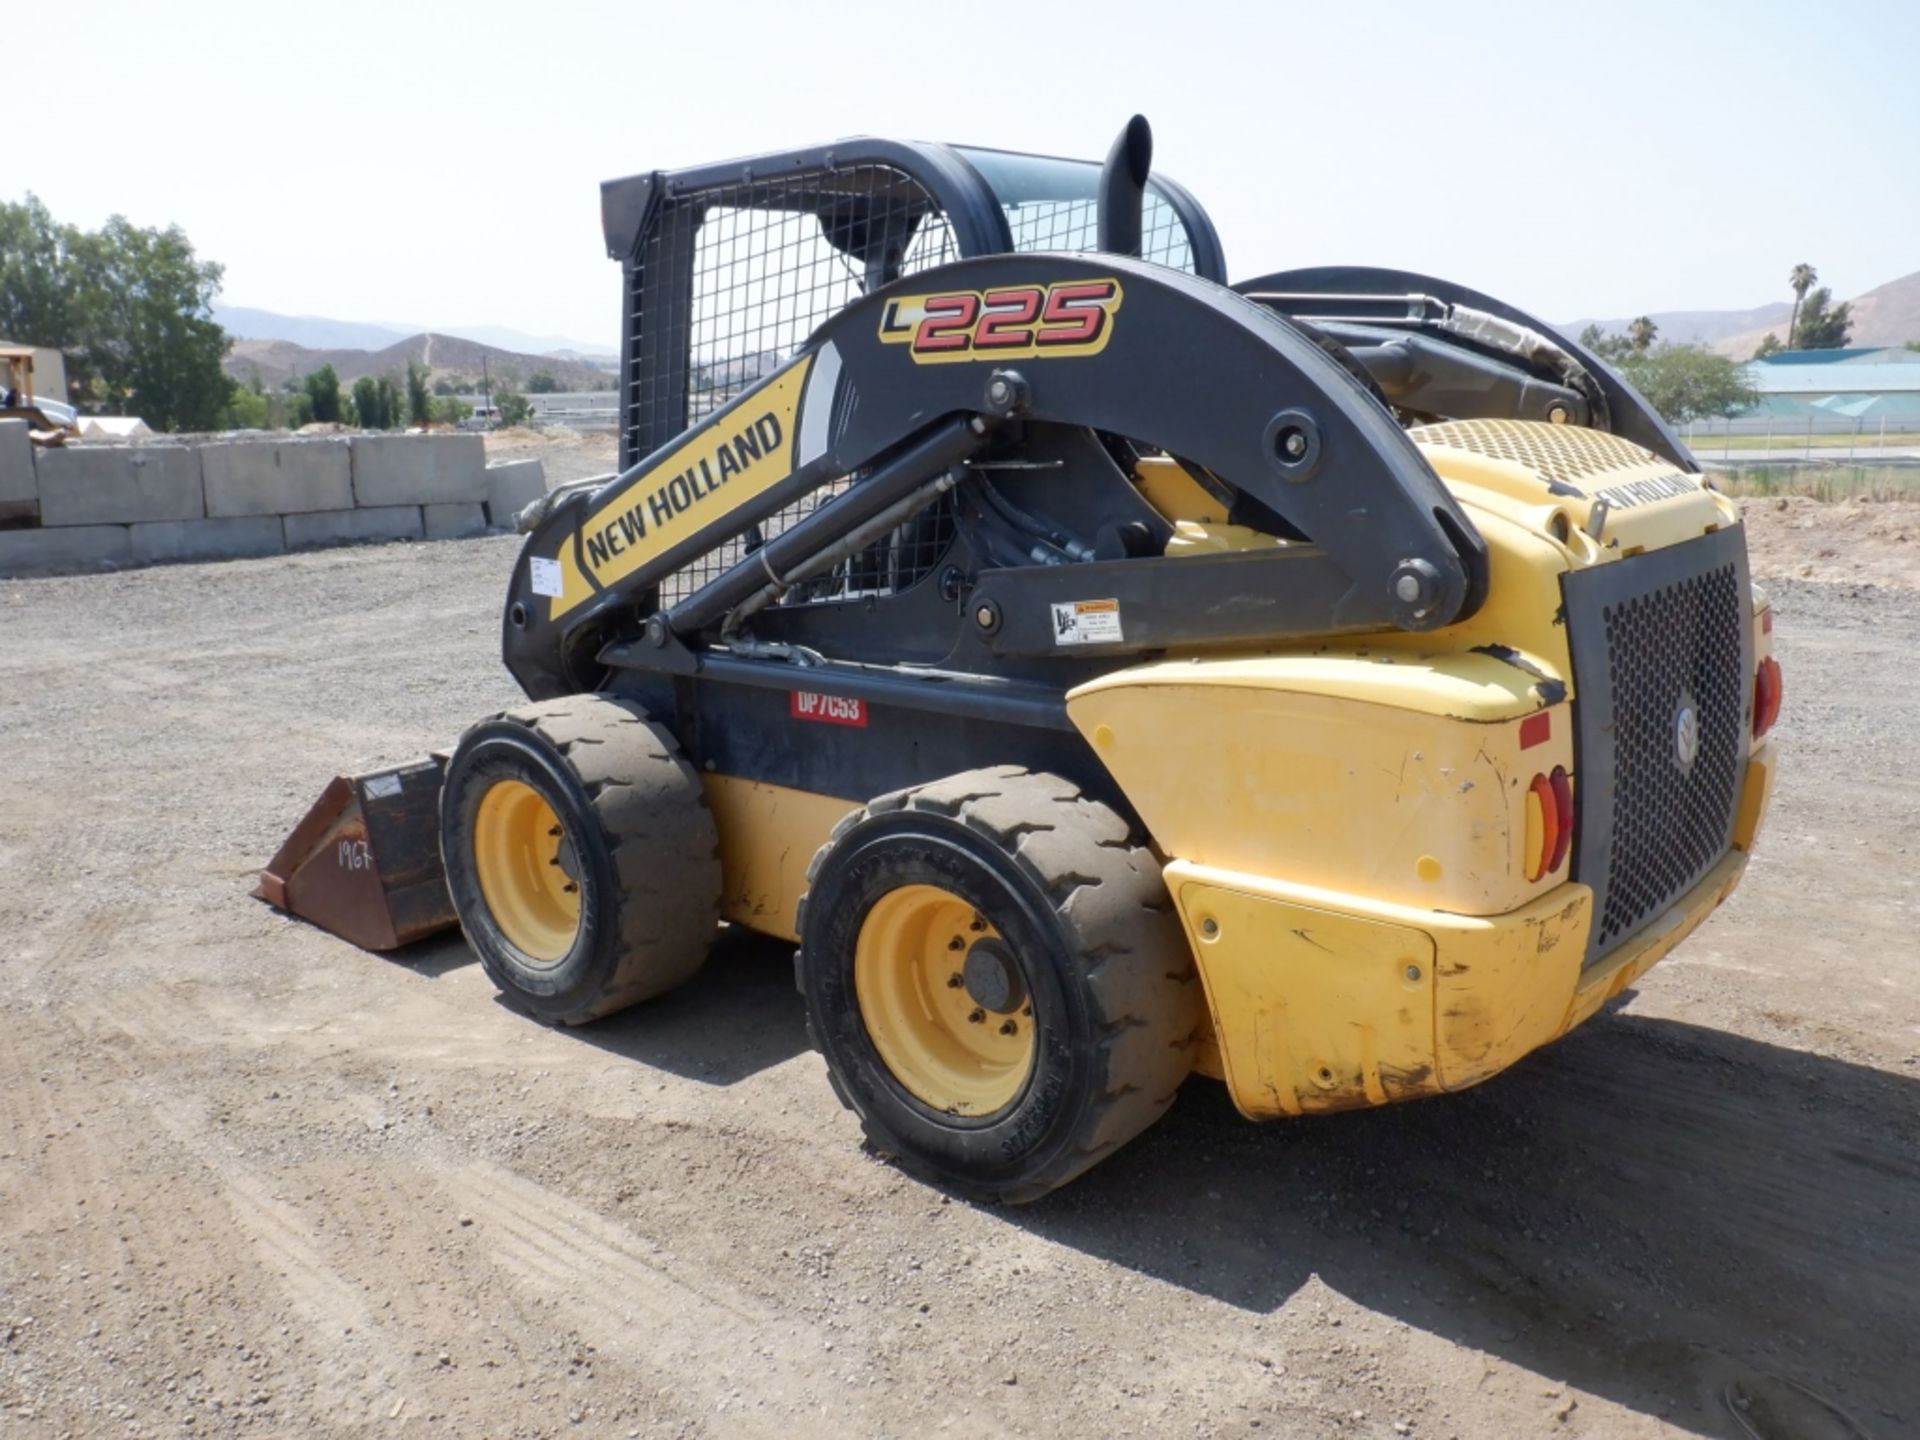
768 836
1278 766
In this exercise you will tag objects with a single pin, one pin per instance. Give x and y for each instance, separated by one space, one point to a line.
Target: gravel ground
254 1181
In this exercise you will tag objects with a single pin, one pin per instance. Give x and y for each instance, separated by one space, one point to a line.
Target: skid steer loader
1336 683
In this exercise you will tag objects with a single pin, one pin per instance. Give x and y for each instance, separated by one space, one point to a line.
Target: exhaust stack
1123 188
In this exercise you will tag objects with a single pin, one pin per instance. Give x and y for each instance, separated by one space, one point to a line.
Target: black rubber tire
1116 1002
649 871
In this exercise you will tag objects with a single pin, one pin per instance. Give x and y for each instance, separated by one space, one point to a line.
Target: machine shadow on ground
1650 1210
737 1017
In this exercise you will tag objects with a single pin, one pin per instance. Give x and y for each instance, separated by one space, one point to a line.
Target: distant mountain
1696 327
522 343
447 357
310 330
316 333
1886 315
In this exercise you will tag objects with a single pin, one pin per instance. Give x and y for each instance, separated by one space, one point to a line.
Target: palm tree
1803 279
1640 334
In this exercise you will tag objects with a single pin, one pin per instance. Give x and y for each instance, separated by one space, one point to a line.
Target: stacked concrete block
231 537
353 527
65 550
459 521
419 469
277 477
512 485
104 506
114 485
19 494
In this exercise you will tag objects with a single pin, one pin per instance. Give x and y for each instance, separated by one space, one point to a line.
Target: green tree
1641 333
419 398
1769 345
322 389
1611 348
389 401
1690 382
541 382
1803 279
247 410
451 410
366 404
515 408
1823 325
129 308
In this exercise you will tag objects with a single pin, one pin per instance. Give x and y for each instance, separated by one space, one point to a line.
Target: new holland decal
1010 322
741 452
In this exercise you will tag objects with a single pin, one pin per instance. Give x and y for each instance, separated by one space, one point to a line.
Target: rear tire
581 856
996 903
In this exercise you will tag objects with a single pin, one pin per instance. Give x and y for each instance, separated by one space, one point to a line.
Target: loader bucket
365 862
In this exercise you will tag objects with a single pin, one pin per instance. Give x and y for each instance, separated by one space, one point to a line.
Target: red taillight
1768 687
1563 802
1549 823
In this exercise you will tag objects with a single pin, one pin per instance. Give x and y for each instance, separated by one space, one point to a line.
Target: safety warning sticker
1087 622
544 577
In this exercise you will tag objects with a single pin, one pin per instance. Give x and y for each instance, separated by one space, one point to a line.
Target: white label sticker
544 576
1087 622
381 786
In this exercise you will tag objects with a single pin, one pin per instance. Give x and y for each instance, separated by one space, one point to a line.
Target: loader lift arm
905 386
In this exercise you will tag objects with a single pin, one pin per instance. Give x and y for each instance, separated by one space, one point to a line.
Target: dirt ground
254 1181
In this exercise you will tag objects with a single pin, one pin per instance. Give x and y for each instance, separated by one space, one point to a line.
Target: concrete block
116 484
277 477
454 522
512 485
65 550
418 469
225 538
353 527
19 495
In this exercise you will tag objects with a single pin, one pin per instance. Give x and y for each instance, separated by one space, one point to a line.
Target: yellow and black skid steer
1337 683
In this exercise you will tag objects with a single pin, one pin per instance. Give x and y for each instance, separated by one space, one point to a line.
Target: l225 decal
1008 322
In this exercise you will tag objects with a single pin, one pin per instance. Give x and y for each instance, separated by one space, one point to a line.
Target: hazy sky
441 165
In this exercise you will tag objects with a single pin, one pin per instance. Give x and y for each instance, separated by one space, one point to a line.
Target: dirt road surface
254 1181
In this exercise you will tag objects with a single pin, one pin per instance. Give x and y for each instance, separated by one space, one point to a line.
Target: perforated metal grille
1075 225
731 281
1670 650
1553 452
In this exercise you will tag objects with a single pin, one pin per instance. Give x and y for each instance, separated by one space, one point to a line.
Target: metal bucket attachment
365 862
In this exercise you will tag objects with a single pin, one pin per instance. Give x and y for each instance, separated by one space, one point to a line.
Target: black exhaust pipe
1123 188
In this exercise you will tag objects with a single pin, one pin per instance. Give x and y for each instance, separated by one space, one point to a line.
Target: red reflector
1766 621
1563 806
1768 691
1537 865
1536 729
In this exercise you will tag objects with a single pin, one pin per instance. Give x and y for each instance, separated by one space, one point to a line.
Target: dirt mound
1857 541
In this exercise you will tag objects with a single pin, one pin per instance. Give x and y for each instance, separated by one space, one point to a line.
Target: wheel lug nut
977 1017
954 982
956 943
1009 1028
555 832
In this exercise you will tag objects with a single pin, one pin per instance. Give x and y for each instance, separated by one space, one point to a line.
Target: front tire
995 977
581 856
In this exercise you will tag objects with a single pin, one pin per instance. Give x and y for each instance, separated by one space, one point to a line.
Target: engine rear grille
1553 452
1661 656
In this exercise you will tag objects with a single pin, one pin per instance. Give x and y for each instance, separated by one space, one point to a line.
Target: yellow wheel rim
527 870
945 1047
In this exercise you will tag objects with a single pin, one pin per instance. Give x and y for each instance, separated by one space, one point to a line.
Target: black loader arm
902 386
1618 407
